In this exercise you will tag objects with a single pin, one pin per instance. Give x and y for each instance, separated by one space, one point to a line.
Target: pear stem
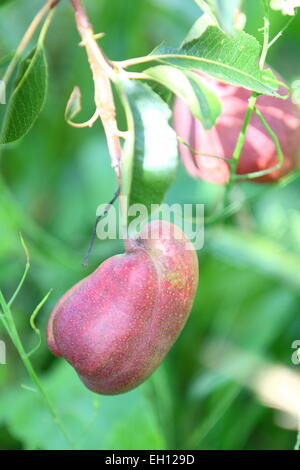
86 259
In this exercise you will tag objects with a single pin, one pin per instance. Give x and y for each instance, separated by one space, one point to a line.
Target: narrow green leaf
33 325
151 155
27 267
231 59
28 97
74 105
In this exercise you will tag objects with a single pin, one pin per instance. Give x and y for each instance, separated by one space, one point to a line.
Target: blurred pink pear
259 152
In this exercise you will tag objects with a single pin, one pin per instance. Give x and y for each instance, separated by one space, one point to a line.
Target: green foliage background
248 298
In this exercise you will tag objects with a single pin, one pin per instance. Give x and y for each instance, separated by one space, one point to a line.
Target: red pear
116 325
259 152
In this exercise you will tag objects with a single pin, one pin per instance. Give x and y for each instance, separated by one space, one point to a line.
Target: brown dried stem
103 72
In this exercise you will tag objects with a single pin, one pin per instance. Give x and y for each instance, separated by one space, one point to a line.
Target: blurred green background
229 381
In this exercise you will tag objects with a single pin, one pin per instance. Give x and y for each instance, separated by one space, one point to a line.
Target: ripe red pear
259 152
116 325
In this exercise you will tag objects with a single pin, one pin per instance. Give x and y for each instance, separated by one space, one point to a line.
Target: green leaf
28 97
202 102
231 59
33 325
151 156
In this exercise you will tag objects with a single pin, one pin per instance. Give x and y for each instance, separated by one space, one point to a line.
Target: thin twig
252 101
280 32
201 154
265 48
251 107
258 174
85 262
242 136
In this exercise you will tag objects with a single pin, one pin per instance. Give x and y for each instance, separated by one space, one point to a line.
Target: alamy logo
187 217
2 92
2 352
296 353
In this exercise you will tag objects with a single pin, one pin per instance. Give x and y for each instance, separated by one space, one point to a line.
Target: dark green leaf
202 102
151 156
28 97
231 59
